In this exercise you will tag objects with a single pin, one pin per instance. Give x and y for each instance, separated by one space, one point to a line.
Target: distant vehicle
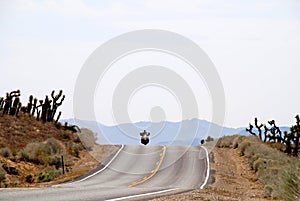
145 137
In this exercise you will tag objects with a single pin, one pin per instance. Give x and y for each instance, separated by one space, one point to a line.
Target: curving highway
134 173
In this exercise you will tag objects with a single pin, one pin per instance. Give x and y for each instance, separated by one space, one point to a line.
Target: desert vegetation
34 146
287 141
277 171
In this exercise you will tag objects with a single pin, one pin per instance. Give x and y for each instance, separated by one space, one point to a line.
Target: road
134 173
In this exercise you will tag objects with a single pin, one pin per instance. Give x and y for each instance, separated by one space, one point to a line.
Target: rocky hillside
31 151
35 149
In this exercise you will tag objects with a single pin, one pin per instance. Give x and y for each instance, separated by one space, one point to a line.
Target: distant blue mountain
187 132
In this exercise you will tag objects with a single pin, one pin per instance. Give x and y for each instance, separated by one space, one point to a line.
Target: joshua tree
258 126
9 100
59 114
265 133
295 132
288 143
29 105
15 105
250 129
45 109
1 102
275 131
38 111
55 103
34 106
18 109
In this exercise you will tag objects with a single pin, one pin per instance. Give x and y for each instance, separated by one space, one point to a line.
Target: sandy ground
231 179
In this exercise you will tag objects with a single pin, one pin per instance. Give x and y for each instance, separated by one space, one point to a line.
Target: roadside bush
268 191
291 184
55 160
23 156
87 138
281 173
2 174
229 141
42 153
29 178
5 152
243 146
46 177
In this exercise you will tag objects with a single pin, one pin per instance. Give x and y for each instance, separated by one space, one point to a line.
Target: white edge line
208 169
85 178
141 195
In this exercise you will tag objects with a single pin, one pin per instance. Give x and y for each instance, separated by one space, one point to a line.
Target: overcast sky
255 46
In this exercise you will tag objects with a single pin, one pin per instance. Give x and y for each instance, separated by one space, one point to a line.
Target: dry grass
279 173
30 152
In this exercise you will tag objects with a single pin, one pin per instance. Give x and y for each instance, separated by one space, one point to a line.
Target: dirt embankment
31 151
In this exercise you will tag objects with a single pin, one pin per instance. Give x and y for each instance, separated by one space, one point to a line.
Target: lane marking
208 169
95 173
153 172
141 195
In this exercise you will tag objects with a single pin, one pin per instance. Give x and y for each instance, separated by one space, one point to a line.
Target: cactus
288 138
265 133
250 129
29 105
45 109
56 103
59 114
13 109
9 100
295 131
34 106
258 126
38 112
275 131
1 102
18 109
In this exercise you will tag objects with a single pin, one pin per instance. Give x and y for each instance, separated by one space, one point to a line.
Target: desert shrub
243 146
268 191
49 176
87 138
291 184
258 164
2 174
228 141
29 178
209 139
5 152
53 146
75 152
43 153
280 176
236 141
55 160
23 156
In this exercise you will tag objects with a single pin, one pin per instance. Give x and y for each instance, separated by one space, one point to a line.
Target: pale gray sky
254 45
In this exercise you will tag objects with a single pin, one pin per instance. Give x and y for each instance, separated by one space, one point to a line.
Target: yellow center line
162 155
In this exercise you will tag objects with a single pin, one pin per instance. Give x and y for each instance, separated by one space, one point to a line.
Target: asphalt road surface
134 173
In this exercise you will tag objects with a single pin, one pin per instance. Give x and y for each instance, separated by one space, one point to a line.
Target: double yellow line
153 172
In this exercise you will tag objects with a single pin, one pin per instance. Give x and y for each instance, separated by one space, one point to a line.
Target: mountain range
186 132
